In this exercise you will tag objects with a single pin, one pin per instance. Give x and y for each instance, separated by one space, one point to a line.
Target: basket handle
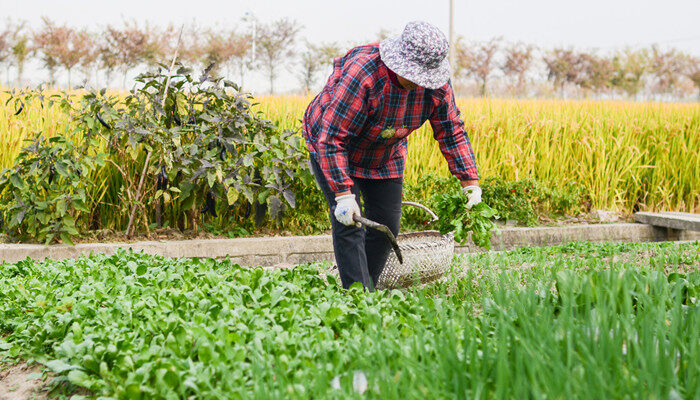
424 208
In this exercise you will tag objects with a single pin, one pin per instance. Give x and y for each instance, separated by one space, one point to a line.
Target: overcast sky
590 24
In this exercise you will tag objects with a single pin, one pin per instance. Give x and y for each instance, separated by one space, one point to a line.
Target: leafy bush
193 153
45 193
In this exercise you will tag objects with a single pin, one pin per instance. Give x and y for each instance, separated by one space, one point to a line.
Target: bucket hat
419 54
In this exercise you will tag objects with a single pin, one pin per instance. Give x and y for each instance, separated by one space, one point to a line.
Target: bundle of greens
454 216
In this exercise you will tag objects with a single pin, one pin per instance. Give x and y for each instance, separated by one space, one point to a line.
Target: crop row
575 321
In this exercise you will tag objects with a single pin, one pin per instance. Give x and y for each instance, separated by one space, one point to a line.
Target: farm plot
574 321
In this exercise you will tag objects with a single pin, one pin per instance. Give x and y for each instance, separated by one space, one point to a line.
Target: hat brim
395 60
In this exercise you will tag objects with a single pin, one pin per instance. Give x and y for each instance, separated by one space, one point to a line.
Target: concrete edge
270 251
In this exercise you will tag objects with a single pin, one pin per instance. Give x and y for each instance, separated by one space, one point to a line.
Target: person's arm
448 130
343 117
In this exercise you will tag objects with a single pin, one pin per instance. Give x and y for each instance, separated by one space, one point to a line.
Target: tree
477 61
90 56
5 49
222 48
72 47
21 49
517 62
313 59
629 68
127 46
275 42
155 48
241 45
692 71
107 58
593 72
48 41
192 47
561 67
667 68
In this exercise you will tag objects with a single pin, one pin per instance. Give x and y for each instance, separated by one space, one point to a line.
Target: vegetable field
575 321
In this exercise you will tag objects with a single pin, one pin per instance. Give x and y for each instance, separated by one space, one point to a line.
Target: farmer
356 131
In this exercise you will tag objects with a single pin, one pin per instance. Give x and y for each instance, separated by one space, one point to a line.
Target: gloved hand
473 194
346 207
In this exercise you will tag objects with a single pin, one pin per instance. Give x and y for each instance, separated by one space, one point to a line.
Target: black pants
359 253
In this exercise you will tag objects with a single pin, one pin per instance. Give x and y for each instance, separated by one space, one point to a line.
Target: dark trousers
361 253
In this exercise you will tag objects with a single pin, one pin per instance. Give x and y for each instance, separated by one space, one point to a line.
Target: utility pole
452 37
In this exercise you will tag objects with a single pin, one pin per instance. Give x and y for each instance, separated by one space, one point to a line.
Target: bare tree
518 60
561 67
275 42
477 61
629 68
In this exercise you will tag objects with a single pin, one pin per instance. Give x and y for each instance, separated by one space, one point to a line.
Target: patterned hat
419 54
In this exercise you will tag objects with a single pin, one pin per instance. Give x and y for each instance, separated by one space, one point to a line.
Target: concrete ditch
271 251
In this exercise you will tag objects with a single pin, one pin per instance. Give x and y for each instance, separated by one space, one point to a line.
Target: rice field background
629 156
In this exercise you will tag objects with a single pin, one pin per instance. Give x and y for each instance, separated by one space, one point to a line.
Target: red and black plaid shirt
357 126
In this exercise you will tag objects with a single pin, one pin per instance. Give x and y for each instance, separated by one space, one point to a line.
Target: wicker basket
427 255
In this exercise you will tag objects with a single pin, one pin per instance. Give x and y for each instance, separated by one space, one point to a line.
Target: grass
573 321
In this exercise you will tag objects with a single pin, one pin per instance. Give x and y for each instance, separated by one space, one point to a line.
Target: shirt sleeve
343 117
448 130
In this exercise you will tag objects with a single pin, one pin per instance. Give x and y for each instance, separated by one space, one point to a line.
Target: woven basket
427 255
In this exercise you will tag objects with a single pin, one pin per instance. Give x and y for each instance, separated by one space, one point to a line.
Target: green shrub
44 195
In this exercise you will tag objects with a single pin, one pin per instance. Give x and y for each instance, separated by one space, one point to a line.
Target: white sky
589 24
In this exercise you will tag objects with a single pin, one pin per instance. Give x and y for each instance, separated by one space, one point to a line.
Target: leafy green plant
538 322
188 147
44 195
454 216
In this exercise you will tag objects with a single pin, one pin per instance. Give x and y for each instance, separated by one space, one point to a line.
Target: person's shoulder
366 52
363 59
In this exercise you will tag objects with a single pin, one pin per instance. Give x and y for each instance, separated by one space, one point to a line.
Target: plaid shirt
357 126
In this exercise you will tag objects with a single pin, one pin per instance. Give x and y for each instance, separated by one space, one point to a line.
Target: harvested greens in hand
454 216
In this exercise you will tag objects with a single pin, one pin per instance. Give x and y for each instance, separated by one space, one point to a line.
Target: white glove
473 194
346 207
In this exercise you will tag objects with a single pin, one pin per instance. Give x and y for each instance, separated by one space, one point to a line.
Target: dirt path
19 382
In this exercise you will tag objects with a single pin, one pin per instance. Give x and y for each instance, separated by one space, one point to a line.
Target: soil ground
21 381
